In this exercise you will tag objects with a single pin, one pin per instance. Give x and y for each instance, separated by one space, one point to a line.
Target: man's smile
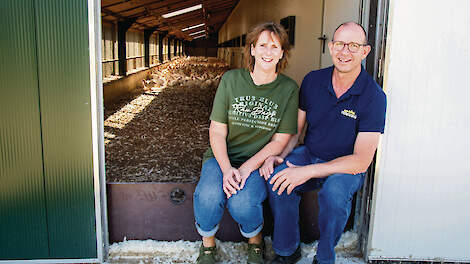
344 60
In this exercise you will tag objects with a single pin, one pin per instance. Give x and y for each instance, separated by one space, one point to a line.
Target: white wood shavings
150 251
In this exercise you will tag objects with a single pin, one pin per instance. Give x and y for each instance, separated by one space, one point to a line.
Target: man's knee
283 204
337 192
332 200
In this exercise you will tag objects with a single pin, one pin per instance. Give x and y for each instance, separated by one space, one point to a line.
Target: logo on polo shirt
349 113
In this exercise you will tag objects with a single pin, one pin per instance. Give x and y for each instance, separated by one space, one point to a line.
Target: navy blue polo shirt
333 123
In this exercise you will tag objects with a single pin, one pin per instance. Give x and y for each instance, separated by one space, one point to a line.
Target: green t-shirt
253 113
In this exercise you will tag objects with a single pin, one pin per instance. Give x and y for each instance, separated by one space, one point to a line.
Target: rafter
148 13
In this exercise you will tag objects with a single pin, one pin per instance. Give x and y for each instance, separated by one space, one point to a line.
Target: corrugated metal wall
421 201
22 195
46 167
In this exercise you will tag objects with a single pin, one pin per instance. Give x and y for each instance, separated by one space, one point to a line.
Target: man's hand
268 166
231 180
290 178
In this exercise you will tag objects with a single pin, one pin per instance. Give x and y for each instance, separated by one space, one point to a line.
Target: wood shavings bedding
160 134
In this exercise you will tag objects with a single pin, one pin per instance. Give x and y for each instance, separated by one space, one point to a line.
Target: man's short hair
349 23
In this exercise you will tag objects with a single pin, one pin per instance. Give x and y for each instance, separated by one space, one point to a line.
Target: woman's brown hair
252 38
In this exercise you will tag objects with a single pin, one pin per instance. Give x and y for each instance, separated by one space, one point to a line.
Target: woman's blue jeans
210 200
334 200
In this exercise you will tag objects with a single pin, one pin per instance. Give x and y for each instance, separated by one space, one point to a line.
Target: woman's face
267 51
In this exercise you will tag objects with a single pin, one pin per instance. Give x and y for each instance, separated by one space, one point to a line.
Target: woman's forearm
301 118
217 139
274 147
290 146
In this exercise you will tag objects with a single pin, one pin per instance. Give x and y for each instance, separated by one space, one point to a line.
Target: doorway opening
157 132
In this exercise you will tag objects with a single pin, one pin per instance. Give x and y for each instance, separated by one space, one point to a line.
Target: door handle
323 39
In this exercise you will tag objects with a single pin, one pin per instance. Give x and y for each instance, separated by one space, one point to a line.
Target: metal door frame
97 116
374 19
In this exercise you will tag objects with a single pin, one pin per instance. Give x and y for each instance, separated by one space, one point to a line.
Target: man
345 111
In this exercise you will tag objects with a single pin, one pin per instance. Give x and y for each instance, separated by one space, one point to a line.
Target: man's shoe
315 261
288 259
206 255
256 253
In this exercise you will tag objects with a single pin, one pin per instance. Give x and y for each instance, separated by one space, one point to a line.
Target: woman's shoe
206 255
256 253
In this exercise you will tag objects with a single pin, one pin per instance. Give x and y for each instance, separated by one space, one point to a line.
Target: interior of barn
159 82
161 65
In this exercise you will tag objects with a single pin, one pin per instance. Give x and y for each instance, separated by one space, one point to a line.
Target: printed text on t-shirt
254 112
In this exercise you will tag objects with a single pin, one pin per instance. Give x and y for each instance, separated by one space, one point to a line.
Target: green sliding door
47 208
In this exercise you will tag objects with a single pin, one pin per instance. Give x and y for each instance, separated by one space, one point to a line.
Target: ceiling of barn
147 14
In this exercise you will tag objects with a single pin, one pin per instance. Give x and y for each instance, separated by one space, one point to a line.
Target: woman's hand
245 172
268 166
231 181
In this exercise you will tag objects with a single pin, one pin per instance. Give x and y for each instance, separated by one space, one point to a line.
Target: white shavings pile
346 250
348 242
154 251
150 251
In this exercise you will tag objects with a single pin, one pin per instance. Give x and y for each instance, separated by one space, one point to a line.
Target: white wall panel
421 204
305 55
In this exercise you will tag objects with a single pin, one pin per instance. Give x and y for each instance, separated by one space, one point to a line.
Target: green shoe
255 253
206 255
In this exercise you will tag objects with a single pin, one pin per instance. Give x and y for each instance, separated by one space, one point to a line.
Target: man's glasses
352 46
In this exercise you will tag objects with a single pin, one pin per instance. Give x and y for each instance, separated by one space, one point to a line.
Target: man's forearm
358 162
350 164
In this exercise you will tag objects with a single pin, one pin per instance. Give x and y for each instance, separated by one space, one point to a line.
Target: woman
253 116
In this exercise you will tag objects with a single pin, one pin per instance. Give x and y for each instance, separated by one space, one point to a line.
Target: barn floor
160 133
150 251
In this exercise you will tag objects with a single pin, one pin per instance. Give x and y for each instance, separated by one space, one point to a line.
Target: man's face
344 60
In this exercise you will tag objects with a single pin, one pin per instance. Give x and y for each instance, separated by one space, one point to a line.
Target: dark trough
159 211
164 212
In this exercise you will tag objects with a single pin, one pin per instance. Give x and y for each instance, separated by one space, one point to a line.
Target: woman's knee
247 200
244 200
208 196
209 186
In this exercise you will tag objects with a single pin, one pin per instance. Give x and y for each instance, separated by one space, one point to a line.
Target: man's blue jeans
334 200
245 207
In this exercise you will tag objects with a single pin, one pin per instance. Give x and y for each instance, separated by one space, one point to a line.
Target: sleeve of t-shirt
219 107
288 123
373 119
